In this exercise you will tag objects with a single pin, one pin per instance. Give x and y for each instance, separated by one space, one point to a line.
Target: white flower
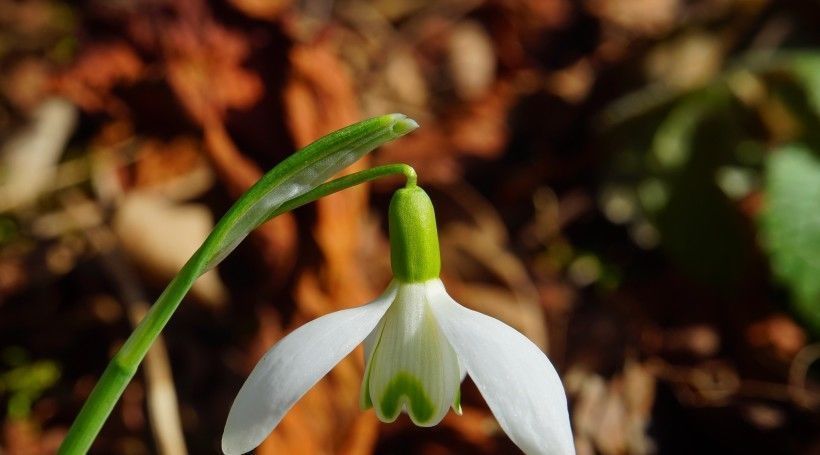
419 345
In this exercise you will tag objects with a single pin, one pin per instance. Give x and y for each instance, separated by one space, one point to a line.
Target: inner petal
412 367
406 391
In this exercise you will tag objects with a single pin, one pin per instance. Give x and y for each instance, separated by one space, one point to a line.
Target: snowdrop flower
419 345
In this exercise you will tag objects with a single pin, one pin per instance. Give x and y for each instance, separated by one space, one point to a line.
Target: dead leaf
779 333
268 10
161 236
99 68
204 66
175 169
638 17
25 84
471 60
29 159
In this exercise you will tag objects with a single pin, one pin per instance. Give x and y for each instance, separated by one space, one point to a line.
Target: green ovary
406 389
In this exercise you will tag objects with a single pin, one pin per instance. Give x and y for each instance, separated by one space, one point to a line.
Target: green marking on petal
406 389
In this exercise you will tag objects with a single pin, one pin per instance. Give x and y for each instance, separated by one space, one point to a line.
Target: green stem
125 363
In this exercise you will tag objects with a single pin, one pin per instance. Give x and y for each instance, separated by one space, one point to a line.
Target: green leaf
791 226
806 68
672 144
300 173
701 231
25 384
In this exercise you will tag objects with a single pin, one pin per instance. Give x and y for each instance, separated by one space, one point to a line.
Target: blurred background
635 185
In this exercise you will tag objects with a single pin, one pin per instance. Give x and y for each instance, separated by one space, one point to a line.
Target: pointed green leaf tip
402 124
414 250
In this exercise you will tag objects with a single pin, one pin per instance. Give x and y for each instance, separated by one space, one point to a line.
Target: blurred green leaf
791 226
799 93
677 183
806 68
672 144
25 383
701 231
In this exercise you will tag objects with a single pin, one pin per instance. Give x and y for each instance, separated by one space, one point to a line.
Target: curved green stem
125 363
348 181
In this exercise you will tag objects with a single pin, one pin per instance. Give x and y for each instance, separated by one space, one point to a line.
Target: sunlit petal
292 367
519 383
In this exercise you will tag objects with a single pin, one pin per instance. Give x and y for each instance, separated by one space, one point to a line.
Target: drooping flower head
419 345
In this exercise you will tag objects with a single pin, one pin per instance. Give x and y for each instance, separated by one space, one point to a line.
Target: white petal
369 345
412 367
518 381
294 365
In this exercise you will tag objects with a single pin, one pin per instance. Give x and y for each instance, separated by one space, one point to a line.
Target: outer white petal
294 365
518 381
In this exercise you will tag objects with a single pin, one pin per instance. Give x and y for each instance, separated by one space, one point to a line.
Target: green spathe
414 251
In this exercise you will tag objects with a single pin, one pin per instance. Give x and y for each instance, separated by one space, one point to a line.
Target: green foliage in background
24 381
805 67
791 226
686 163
